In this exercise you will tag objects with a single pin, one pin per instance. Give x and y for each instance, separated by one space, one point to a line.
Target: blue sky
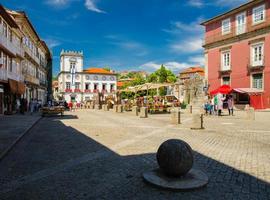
124 34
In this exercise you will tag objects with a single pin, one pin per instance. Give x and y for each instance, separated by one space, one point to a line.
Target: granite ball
175 157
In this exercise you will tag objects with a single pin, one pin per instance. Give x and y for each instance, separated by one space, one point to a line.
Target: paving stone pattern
102 155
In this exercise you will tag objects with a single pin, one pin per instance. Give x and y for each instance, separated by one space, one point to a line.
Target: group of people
23 106
215 105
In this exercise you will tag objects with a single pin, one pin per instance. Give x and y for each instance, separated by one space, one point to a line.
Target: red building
237 52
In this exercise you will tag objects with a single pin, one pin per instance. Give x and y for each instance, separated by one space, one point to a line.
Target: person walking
32 106
230 105
220 103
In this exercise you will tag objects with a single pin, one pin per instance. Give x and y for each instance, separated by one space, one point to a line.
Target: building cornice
237 38
233 11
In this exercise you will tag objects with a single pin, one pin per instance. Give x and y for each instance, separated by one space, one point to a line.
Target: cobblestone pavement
12 126
102 155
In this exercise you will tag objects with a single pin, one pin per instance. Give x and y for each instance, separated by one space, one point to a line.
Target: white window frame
254 16
251 81
253 62
225 64
224 31
240 29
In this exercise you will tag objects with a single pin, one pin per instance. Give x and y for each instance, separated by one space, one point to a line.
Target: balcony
104 91
68 90
96 91
256 66
224 71
244 31
87 91
3 74
9 46
31 79
15 76
31 54
77 90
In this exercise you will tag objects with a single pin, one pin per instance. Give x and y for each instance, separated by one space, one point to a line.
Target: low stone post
115 108
104 107
144 112
197 121
250 114
135 110
92 106
97 107
175 116
190 109
120 109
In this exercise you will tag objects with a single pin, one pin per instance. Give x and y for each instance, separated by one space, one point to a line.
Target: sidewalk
13 127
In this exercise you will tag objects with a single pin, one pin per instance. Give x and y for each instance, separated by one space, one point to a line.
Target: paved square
92 154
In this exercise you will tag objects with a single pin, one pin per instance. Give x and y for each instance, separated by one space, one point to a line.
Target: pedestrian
216 105
32 106
220 103
70 105
230 105
22 108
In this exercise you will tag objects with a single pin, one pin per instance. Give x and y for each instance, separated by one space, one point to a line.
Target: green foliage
162 75
107 68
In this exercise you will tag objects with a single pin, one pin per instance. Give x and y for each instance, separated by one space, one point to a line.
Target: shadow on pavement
55 161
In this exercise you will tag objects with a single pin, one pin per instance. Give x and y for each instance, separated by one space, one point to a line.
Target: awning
21 88
248 90
16 87
13 86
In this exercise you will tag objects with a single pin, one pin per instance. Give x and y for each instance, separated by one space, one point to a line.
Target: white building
78 84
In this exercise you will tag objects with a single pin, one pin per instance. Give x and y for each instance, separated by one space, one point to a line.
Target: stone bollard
250 114
197 121
175 116
143 112
107 107
104 107
92 106
115 108
120 109
97 107
190 109
135 110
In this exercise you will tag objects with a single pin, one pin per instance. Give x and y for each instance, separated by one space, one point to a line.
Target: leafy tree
162 75
107 68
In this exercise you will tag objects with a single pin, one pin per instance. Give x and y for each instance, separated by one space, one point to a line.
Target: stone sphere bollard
175 157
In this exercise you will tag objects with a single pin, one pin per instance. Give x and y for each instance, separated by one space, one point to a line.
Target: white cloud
219 3
172 65
137 48
189 45
52 43
90 5
196 3
197 60
58 2
187 37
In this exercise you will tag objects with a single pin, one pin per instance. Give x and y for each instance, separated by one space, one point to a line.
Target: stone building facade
78 84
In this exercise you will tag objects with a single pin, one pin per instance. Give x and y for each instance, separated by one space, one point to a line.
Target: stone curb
4 153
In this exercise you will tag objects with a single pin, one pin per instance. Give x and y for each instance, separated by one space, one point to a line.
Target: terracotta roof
120 84
195 69
97 71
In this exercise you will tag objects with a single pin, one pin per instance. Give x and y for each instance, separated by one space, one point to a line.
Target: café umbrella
224 89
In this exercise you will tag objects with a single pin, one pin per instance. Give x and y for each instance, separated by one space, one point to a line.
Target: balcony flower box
68 90
87 91
77 90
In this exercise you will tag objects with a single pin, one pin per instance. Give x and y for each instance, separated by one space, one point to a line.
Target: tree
162 75
107 68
